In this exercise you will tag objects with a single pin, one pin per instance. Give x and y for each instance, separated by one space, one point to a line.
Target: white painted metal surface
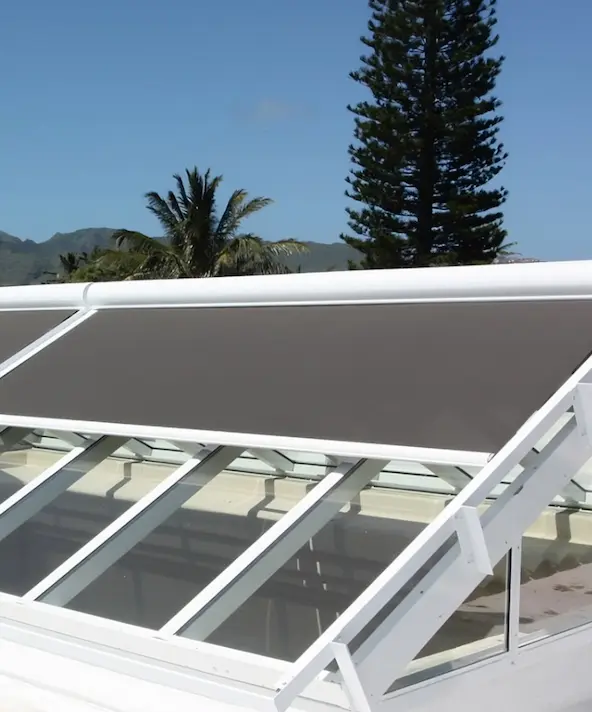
544 280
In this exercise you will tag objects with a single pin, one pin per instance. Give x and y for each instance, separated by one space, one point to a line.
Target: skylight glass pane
159 575
291 609
18 467
556 573
99 493
477 630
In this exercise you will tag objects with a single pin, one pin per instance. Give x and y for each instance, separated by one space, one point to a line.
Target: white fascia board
202 668
249 441
545 280
525 281
34 680
43 296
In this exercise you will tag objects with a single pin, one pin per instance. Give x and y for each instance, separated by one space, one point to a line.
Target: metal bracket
351 681
472 539
582 406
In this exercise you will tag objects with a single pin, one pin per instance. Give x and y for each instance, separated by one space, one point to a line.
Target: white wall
554 676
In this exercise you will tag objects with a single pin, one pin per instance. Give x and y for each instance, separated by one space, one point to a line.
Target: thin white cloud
274 110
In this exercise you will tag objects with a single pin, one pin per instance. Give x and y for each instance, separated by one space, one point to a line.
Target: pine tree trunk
427 159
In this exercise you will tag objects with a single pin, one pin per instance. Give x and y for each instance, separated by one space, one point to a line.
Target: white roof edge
512 281
247 441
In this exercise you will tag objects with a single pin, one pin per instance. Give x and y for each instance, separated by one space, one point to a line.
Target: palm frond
250 254
182 193
138 242
287 247
175 207
165 216
237 210
159 260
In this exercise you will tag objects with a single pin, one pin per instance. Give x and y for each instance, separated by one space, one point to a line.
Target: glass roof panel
329 571
70 493
161 573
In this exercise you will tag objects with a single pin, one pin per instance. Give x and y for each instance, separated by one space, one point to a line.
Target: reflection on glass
73 518
19 466
300 601
163 572
556 574
477 630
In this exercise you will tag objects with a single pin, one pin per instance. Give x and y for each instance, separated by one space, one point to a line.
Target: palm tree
198 242
70 263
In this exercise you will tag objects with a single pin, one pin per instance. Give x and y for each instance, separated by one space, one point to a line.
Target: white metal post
514 583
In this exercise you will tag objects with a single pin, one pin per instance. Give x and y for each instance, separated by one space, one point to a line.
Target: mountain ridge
28 262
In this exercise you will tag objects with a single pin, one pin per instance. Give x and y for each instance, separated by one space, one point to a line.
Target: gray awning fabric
20 328
460 376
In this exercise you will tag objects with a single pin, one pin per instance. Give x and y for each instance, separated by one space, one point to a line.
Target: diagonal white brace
201 616
351 681
138 448
472 540
582 406
454 476
38 493
9 437
90 561
72 439
273 458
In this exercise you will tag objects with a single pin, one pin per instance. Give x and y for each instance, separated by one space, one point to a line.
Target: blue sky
102 101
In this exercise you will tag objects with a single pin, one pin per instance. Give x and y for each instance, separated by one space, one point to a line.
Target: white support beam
454 476
9 437
201 616
582 406
190 449
90 561
280 463
573 492
385 654
72 439
138 448
274 459
55 480
351 682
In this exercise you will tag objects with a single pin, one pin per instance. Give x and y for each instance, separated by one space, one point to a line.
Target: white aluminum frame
366 672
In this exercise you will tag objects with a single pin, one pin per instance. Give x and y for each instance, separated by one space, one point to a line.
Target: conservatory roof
476 376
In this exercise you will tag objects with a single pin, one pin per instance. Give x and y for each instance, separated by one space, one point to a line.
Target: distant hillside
25 261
